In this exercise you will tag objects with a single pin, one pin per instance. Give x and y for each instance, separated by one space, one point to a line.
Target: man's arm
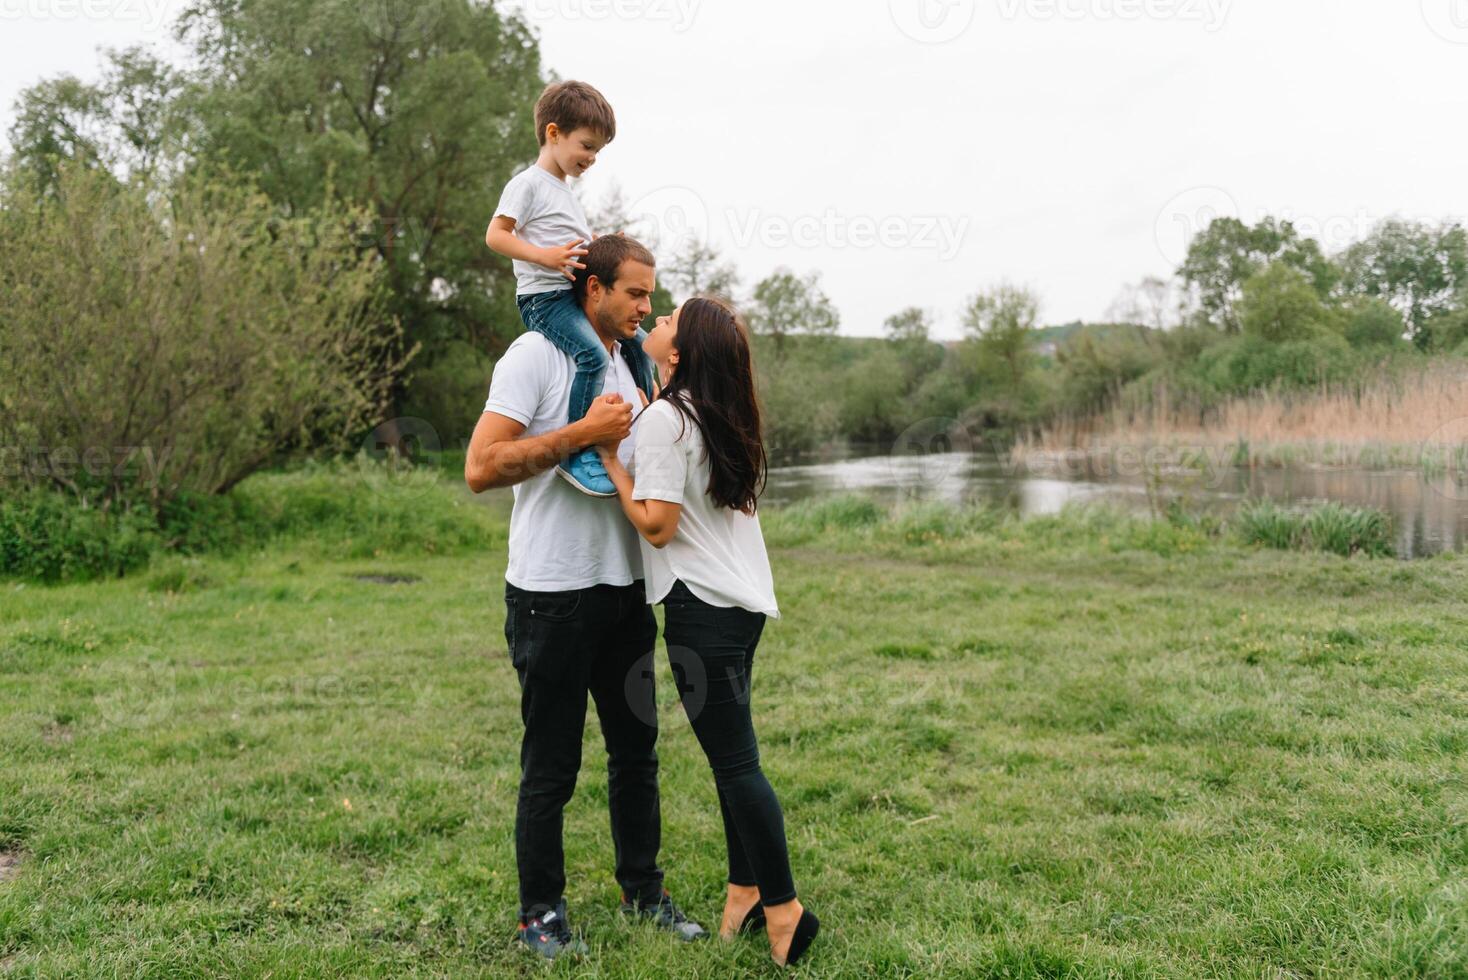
499 457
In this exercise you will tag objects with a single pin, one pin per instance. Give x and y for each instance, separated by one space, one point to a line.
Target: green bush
1345 530
1331 527
50 537
1266 523
1245 364
162 339
346 508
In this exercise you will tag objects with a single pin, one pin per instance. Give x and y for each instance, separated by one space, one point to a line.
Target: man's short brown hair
604 258
572 105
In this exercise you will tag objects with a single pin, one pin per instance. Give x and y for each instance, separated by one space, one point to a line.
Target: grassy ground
1075 747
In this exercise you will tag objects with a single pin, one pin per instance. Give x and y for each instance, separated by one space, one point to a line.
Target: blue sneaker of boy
585 472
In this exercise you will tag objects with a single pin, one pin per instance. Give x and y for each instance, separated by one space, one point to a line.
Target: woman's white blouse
718 552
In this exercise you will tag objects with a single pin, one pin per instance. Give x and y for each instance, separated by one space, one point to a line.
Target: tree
1154 302
418 112
1097 361
1419 269
909 326
1228 252
908 334
149 322
1372 322
999 324
1280 305
698 271
785 304
126 123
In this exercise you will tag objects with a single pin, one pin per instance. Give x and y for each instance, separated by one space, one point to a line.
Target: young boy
540 225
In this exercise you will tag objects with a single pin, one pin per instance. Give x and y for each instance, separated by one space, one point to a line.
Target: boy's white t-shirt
718 552
546 214
561 538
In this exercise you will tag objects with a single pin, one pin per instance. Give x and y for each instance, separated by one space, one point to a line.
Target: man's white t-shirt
718 552
561 538
546 214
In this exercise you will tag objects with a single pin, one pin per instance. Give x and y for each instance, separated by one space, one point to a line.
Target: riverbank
1082 745
1415 421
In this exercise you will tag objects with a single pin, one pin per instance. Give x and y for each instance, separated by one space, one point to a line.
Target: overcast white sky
915 151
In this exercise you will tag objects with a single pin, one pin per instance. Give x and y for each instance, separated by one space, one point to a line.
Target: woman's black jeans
711 650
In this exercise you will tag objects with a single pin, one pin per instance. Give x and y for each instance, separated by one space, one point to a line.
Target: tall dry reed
1381 421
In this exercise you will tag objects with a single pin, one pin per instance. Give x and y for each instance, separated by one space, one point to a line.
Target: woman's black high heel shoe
805 934
754 920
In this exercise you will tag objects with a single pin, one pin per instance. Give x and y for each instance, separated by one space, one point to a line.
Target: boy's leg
564 324
548 639
558 318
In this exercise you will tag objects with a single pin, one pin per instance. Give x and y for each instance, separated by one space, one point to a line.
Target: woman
700 466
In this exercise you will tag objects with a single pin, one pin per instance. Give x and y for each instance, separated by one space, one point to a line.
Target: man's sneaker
549 934
585 472
665 915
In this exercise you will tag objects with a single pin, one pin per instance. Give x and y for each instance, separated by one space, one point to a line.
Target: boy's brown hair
571 105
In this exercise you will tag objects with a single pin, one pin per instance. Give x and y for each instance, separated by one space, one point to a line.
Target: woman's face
661 345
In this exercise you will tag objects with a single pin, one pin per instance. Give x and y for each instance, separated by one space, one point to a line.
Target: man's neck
608 341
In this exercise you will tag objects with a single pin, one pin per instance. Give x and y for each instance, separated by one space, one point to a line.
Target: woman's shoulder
666 412
672 424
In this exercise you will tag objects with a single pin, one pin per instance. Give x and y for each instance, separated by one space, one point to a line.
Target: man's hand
608 421
563 258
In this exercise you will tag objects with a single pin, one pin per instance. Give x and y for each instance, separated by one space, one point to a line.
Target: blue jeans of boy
558 317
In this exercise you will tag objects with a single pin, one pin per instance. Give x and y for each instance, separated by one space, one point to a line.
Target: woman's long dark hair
715 378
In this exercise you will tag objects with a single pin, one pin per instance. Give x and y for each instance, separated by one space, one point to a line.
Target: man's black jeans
711 650
564 645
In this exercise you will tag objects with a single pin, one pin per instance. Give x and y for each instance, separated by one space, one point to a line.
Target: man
576 618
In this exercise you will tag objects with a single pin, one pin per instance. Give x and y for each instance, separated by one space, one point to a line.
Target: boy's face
576 151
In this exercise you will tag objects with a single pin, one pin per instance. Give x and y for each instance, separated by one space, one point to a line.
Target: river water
1430 514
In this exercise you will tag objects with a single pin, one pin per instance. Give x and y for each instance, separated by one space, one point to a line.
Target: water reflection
1431 514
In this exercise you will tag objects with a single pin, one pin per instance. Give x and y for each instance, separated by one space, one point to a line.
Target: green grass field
1082 746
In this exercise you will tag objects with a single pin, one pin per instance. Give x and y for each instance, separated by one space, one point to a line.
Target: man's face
617 312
